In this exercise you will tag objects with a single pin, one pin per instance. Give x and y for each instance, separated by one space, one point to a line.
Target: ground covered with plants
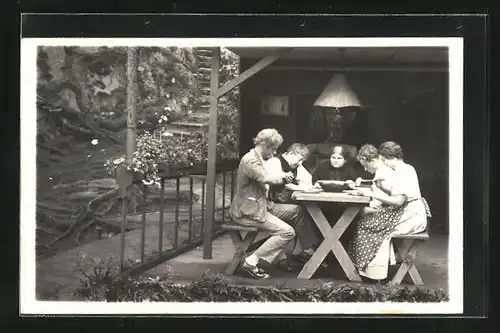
104 283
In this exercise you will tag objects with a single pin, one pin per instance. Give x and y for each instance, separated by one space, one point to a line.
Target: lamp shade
337 94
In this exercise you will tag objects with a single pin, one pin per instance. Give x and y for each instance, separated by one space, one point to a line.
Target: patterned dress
370 248
371 231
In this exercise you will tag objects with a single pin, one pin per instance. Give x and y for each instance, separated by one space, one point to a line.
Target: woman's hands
358 182
351 184
365 192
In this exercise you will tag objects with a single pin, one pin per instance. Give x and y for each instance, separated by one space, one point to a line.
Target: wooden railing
181 223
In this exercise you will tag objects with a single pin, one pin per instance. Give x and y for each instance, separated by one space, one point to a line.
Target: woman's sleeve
405 181
318 173
352 173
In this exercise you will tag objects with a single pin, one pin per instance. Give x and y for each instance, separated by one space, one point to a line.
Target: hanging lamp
336 95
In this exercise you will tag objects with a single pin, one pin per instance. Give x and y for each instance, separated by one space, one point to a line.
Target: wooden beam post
125 178
263 63
212 156
132 62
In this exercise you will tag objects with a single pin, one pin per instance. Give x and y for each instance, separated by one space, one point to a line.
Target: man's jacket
250 197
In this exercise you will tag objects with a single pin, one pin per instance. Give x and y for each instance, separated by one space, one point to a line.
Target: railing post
143 222
124 180
224 196
212 155
190 217
160 222
177 207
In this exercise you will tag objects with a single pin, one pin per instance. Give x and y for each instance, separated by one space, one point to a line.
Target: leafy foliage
228 120
164 96
159 147
111 287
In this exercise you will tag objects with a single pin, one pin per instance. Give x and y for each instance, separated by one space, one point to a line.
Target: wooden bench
242 245
406 250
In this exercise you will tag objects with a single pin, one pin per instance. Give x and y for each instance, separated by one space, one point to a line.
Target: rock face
93 79
81 89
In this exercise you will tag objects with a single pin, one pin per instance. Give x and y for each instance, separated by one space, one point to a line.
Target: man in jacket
250 206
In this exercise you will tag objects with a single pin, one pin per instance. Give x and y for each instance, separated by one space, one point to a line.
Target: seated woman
382 181
337 168
403 211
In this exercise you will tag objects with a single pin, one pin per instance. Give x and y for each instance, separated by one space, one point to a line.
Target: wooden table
331 235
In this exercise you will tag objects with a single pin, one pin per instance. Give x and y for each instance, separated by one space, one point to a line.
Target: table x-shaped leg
331 241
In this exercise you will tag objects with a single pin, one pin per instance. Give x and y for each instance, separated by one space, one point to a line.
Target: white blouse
406 181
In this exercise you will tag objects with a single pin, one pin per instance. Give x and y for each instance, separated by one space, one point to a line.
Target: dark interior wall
409 108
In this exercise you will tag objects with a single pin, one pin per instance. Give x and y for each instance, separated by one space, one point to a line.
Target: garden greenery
104 283
159 146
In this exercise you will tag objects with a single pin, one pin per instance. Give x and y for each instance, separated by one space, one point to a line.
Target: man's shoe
254 271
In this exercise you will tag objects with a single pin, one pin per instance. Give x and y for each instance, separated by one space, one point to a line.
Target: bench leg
407 251
242 246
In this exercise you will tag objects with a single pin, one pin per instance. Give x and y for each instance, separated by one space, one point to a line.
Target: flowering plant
161 147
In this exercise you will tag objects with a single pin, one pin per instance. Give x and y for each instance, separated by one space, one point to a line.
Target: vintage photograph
243 172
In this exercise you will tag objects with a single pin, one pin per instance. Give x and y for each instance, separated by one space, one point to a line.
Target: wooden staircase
198 120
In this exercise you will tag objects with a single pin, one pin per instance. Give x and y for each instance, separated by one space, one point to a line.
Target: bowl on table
333 185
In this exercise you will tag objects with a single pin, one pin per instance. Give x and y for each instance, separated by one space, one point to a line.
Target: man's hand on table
287 177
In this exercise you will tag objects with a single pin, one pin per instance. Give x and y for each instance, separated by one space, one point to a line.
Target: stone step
204 108
202 76
204 81
188 124
204 58
204 99
186 130
206 103
179 131
205 64
204 52
204 70
198 117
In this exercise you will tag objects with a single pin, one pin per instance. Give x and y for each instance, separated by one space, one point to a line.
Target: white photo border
28 303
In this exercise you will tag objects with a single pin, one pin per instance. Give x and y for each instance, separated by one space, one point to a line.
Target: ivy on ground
109 286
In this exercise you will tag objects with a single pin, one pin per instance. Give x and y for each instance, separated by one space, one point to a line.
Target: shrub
217 288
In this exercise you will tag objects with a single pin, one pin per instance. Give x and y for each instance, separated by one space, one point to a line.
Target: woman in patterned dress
403 211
